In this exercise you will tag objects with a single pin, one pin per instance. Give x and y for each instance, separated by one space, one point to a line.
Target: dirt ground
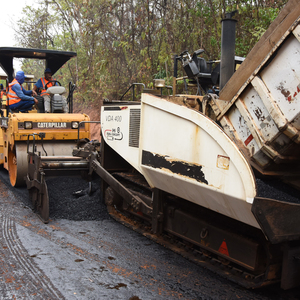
93 111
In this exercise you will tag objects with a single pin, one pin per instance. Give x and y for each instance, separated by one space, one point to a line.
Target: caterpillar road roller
55 133
204 174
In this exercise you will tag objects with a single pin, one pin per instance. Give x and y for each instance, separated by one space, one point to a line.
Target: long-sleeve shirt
23 94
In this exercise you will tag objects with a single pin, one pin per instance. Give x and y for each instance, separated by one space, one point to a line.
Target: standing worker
18 98
49 81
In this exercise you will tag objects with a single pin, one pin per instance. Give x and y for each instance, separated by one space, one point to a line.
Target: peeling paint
287 94
183 168
259 114
283 91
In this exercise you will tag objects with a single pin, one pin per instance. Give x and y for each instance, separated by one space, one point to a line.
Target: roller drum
17 158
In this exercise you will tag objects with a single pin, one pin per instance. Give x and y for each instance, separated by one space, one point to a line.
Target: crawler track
195 251
190 252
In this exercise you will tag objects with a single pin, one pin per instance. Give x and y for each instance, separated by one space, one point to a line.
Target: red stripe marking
248 140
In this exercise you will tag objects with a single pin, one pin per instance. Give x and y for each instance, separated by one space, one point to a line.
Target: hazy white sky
11 12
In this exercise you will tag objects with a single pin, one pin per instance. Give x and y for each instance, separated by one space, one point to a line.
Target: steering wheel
55 81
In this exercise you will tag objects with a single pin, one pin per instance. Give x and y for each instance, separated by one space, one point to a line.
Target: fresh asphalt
82 253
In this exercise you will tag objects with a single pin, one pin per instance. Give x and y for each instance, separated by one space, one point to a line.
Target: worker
2 91
19 98
49 81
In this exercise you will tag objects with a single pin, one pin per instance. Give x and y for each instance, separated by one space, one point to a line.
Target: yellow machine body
60 134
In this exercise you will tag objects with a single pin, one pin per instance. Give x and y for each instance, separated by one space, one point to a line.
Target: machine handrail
41 135
132 86
33 141
72 87
83 122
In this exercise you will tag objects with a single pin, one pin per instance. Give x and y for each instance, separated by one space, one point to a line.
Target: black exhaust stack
227 48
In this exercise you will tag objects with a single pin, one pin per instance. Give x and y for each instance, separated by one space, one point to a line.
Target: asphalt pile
69 198
278 190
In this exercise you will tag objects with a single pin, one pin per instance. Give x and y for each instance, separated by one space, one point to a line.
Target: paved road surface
84 254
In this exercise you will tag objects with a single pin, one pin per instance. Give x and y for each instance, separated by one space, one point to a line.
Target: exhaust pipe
227 48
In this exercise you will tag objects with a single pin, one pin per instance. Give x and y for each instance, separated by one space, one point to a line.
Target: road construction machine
55 134
258 104
203 174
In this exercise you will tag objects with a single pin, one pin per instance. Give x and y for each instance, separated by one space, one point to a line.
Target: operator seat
55 93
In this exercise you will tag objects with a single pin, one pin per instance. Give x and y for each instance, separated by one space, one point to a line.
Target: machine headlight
28 125
75 125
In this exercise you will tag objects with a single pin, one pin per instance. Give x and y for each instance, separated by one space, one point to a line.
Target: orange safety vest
12 96
2 93
44 82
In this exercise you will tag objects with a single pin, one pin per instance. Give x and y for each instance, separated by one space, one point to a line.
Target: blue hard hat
48 70
20 77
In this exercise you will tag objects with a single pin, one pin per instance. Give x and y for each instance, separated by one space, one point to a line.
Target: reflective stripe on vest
44 83
12 96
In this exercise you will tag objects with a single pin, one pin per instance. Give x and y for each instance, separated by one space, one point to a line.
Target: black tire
41 107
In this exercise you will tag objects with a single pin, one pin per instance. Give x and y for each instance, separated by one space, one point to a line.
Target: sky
11 12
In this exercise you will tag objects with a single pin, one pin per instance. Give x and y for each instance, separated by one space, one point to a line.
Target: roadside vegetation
119 42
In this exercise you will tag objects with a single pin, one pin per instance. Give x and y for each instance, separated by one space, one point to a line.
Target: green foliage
33 67
119 42
161 74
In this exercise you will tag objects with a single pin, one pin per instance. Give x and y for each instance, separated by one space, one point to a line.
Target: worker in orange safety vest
41 85
2 91
20 99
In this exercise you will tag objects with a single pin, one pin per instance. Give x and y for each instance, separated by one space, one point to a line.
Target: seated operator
41 84
19 98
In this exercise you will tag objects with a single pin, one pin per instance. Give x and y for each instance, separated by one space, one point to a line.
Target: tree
119 42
